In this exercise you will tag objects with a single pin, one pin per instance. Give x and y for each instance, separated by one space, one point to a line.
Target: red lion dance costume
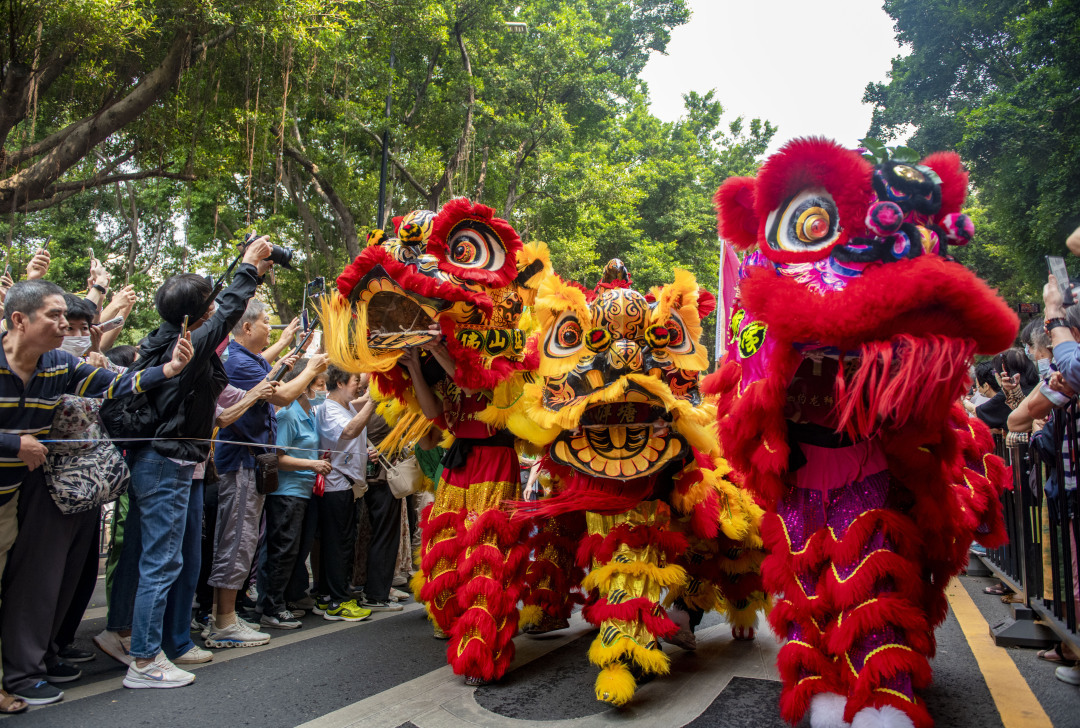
838 406
631 448
468 272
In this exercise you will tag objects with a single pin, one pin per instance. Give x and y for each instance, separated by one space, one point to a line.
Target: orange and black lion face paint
619 373
462 270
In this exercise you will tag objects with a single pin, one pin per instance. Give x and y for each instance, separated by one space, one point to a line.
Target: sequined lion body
851 342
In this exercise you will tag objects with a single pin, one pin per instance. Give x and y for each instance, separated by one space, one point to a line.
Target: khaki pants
9 529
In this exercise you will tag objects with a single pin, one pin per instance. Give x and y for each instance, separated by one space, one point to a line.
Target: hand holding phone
1056 264
111 324
183 327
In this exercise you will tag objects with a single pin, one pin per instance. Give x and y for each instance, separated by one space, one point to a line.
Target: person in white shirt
341 422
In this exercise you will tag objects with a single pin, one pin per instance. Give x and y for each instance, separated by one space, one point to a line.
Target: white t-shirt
349 457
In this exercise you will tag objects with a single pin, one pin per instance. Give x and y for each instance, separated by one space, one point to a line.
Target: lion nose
625 354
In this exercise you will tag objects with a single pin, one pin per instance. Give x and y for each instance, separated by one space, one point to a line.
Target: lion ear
736 219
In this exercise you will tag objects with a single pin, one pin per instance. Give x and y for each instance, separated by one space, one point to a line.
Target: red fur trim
900 530
585 493
669 543
863 583
735 216
795 661
954 180
814 162
900 378
706 303
705 519
875 614
587 549
459 210
492 521
640 609
446 549
879 668
924 296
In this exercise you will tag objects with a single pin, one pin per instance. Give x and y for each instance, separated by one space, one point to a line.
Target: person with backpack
34 375
181 420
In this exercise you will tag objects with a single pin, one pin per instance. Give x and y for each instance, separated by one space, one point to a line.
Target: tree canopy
156 134
999 81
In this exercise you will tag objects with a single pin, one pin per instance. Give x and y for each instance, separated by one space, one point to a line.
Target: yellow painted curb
1017 705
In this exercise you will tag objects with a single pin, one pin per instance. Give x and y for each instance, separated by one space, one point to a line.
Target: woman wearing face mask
290 522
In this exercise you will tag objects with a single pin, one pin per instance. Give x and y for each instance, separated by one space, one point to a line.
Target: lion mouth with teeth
461 273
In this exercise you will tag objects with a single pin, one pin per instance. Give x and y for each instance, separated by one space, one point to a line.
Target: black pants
36 594
204 593
337 528
84 590
297 588
284 528
384 510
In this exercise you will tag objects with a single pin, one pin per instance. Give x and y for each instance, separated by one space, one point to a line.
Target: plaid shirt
28 409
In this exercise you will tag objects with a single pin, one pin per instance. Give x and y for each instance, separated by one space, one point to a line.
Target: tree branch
459 154
424 191
421 90
341 210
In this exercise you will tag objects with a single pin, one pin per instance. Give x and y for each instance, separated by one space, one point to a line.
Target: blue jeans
151 559
176 635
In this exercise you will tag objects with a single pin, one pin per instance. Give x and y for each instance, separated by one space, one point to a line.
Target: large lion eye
680 342
805 223
474 245
565 337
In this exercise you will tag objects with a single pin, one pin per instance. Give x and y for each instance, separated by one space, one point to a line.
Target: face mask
77 345
318 399
1044 367
1030 354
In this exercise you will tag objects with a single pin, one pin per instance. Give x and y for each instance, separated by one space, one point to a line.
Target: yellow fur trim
530 614
679 299
651 661
530 253
615 684
665 576
345 338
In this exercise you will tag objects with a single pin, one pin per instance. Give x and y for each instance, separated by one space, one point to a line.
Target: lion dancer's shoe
632 557
858 639
551 576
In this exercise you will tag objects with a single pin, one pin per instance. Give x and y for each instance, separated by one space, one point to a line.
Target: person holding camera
240 504
34 375
162 471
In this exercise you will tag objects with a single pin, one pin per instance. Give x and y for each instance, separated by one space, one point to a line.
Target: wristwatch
99 287
1055 323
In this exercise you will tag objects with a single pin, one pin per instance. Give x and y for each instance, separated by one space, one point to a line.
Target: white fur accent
884 717
827 711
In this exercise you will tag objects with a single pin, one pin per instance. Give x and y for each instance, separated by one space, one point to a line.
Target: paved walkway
389 673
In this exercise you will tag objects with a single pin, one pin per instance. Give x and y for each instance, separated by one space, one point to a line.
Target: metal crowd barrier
1039 561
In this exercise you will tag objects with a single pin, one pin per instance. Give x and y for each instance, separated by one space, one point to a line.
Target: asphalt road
391 672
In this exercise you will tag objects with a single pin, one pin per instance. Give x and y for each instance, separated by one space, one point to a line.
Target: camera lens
281 256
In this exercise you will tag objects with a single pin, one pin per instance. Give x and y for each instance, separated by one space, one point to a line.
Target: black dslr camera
278 255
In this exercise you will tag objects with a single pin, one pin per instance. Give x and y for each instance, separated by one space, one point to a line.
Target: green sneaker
348 611
321 605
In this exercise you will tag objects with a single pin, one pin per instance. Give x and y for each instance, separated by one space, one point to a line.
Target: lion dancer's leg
551 576
792 571
489 567
632 557
437 580
881 636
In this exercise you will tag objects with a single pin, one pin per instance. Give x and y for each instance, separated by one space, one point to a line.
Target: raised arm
430 404
263 390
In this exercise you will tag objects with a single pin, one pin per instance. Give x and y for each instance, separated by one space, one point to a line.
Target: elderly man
34 375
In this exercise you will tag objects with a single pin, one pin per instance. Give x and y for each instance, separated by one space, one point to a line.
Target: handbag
404 477
266 472
85 480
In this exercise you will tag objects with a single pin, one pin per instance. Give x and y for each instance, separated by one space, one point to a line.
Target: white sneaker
195 656
115 646
158 674
397 595
237 634
1069 675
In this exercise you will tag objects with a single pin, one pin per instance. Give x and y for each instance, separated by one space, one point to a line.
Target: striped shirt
28 409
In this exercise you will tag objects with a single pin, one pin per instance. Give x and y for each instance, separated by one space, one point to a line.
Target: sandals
998 590
11 705
1055 655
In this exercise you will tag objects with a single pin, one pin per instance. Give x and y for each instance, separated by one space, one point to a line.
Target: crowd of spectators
1026 393
252 493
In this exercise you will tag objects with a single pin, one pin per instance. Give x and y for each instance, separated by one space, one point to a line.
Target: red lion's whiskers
897 380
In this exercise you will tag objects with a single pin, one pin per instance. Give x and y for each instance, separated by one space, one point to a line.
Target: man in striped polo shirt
34 375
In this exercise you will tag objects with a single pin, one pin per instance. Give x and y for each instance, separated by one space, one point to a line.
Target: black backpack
132 415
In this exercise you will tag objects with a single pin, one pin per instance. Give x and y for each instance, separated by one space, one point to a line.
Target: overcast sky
801 65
